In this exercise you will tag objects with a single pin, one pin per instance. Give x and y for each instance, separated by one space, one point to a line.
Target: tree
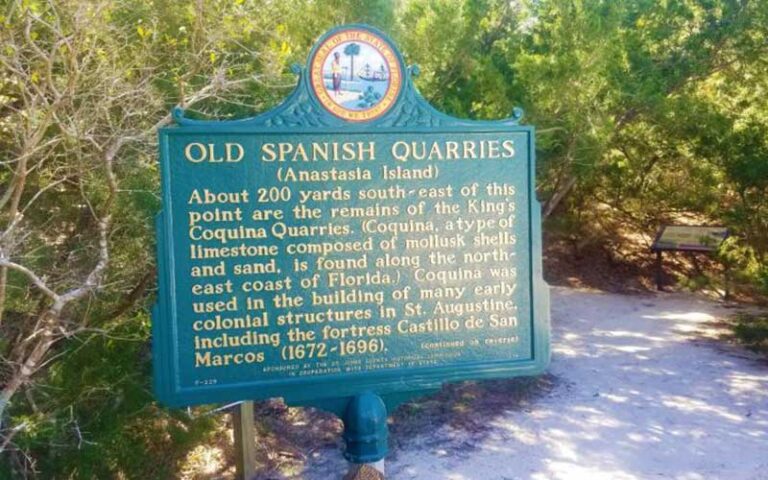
351 51
84 85
634 102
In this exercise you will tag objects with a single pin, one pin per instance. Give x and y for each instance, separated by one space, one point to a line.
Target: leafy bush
752 331
94 416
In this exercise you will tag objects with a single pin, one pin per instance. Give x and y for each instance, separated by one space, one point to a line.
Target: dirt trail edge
639 393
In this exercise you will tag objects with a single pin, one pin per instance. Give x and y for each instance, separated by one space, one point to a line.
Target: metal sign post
365 434
244 440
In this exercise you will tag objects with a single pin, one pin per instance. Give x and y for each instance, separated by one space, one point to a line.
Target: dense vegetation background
647 111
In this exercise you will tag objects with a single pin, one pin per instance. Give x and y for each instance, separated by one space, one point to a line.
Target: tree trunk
32 362
558 196
20 178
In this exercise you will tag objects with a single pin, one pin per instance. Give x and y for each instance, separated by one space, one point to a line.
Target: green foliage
752 331
100 420
352 50
647 112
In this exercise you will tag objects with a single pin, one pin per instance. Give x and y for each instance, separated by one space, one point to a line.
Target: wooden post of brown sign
245 441
659 271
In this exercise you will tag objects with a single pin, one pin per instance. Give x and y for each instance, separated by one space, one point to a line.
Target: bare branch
39 283
12 433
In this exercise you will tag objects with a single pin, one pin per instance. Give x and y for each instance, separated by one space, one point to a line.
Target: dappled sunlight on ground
204 460
640 387
636 399
691 317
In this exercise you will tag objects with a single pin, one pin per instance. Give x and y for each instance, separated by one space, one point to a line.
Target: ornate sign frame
401 110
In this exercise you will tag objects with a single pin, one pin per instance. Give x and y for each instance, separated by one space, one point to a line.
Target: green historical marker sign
351 240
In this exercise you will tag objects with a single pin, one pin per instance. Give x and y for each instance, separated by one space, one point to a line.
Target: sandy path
638 397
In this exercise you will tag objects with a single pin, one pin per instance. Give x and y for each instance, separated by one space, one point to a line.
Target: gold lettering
469 149
509 148
452 150
320 150
300 152
268 152
201 155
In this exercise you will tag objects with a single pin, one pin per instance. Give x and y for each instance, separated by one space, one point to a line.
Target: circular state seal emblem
355 74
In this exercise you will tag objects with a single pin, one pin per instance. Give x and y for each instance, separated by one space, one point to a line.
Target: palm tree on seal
351 50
